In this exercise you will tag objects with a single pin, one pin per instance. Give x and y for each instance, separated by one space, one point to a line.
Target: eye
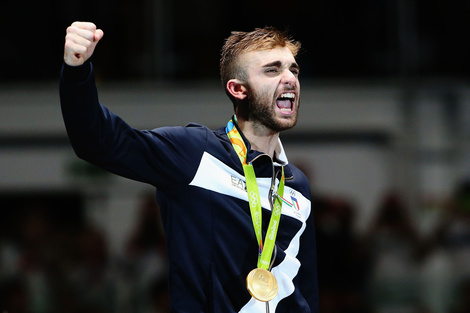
271 70
295 71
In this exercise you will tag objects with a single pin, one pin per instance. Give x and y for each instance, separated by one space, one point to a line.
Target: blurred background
384 135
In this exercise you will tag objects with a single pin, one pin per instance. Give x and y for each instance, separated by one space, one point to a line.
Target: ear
237 89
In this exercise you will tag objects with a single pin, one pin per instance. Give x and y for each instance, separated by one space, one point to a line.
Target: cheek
264 97
268 91
263 90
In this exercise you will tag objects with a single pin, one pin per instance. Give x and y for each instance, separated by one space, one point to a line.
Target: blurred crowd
406 261
48 269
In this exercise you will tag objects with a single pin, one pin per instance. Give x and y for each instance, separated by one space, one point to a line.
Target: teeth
288 95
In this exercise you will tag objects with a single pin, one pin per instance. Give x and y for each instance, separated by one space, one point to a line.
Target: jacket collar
280 157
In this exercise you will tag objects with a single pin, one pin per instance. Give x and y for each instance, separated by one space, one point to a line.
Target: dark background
180 40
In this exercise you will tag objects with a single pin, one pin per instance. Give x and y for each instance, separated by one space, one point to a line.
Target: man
237 215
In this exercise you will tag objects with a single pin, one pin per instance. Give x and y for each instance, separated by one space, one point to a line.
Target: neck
261 138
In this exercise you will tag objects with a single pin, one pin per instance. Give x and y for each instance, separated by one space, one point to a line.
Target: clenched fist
80 42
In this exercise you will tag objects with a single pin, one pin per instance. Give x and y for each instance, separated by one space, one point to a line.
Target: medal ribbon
266 250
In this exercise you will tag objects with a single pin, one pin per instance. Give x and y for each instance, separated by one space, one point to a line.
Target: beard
261 111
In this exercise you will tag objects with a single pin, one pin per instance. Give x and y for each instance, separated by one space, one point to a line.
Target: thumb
98 35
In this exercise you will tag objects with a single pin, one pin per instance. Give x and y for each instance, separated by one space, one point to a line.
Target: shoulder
189 131
192 135
299 180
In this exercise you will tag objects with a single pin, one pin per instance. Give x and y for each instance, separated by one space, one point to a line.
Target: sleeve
162 157
308 273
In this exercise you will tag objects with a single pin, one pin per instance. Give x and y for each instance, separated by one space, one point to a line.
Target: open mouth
285 102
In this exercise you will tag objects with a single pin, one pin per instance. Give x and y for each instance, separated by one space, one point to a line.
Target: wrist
78 73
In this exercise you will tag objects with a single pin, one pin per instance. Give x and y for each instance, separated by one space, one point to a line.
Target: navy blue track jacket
201 191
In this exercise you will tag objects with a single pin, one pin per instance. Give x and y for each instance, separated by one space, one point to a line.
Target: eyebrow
279 64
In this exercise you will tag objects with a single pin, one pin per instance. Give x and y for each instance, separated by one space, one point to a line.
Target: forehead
262 57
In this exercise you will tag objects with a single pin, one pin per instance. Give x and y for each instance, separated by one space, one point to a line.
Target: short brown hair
241 42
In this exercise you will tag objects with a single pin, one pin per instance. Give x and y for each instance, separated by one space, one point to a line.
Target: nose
289 78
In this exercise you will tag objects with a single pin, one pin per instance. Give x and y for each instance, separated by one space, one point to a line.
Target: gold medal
261 284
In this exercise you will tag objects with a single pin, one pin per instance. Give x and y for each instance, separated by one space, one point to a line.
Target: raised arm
158 157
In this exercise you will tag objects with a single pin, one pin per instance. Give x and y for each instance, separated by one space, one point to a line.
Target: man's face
273 88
